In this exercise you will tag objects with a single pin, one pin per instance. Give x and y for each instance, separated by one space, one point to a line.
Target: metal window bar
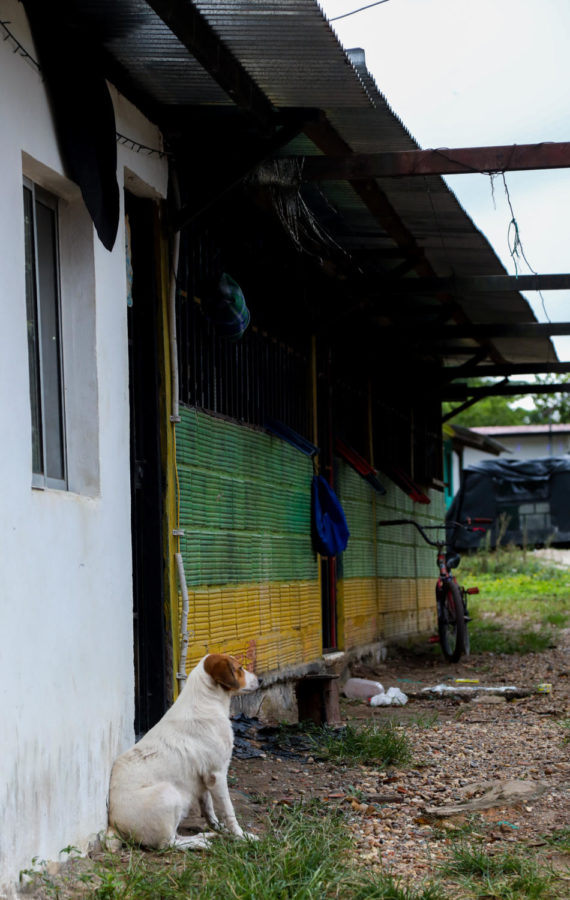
43 301
249 380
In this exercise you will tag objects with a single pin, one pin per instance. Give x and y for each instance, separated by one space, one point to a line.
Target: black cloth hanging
82 110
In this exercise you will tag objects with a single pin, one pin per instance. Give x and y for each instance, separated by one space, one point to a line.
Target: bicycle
451 597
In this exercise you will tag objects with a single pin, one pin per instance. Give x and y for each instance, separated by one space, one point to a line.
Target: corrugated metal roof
291 53
508 430
289 49
452 243
284 45
473 437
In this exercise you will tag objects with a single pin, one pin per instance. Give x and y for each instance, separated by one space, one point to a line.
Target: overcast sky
472 73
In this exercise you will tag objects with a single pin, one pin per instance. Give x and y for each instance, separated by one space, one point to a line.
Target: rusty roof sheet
292 54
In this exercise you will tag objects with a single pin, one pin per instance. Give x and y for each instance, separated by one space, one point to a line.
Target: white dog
183 760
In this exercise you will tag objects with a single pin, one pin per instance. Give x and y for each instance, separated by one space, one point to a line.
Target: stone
500 793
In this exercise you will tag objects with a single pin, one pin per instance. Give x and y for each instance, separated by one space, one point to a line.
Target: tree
489 410
550 408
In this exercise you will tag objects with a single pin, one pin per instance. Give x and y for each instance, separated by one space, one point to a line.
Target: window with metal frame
43 307
250 380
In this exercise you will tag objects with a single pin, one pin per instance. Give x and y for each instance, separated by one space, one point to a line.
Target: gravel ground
458 745
555 555
399 817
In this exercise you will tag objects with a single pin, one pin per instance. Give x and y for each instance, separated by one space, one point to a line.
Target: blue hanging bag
330 531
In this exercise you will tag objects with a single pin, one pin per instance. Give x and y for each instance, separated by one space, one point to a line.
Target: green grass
507 875
383 887
307 853
468 860
383 744
560 838
521 604
424 720
491 637
518 582
472 829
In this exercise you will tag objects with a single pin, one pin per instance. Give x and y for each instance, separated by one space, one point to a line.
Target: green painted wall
401 550
245 504
358 501
387 552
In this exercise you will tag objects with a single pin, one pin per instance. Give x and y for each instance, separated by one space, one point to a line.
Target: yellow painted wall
269 625
372 609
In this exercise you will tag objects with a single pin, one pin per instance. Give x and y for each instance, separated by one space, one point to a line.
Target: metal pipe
174 377
175 390
184 633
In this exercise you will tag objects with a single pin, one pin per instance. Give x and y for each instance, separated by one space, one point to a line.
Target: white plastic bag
393 697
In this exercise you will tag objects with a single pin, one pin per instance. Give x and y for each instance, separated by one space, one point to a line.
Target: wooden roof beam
194 31
478 284
330 142
459 350
483 392
461 391
472 370
443 161
479 331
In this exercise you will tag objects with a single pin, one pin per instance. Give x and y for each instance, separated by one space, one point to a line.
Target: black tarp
532 496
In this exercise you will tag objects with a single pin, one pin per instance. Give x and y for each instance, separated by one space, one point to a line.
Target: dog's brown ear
224 670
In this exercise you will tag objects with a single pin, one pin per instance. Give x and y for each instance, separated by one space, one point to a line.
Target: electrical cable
18 47
517 246
354 11
122 139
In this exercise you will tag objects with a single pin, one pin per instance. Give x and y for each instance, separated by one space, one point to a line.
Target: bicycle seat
452 560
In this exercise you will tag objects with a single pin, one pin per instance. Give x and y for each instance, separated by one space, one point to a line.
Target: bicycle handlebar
416 525
467 525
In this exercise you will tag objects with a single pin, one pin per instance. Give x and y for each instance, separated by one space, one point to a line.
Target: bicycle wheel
451 622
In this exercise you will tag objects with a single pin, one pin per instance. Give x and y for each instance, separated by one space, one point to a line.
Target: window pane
50 341
33 338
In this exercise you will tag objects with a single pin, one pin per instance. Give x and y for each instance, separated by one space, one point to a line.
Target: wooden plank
478 284
461 391
477 331
327 139
330 142
469 370
443 161
194 31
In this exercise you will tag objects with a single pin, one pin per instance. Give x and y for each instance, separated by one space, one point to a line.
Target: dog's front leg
222 800
218 785
207 810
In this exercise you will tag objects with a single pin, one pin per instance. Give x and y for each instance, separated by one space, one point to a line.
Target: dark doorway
329 572
146 474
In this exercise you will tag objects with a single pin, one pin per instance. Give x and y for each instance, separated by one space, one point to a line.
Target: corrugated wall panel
427 617
358 600
407 568
387 584
250 567
358 501
357 587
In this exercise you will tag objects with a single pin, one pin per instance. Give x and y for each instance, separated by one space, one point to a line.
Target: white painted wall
524 446
66 650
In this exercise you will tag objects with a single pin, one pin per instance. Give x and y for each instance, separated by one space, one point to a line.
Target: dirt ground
462 746
403 819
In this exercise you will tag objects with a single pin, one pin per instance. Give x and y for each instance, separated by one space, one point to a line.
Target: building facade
190 335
